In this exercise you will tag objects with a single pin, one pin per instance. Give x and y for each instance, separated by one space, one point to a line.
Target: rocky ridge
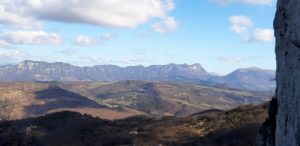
249 78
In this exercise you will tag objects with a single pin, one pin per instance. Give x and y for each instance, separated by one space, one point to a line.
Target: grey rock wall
266 134
287 32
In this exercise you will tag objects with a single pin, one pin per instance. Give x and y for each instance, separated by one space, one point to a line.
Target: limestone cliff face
266 134
287 32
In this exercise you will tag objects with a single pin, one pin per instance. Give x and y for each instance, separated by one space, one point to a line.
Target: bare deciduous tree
6 109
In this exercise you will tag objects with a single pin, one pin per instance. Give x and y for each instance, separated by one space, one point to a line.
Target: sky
221 35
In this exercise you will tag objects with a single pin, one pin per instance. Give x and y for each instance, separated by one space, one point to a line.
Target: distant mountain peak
197 67
27 64
253 69
196 64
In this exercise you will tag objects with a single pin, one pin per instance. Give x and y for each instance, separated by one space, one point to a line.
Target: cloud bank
107 13
30 38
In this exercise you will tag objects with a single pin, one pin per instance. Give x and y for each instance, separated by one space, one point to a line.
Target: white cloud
11 14
3 43
31 38
244 27
249 2
9 56
167 25
264 35
109 13
241 25
83 40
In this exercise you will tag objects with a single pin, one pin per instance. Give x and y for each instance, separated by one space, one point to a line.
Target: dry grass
104 113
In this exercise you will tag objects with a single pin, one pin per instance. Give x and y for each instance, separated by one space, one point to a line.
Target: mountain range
248 78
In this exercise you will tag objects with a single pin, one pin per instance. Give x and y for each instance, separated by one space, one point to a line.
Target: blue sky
221 35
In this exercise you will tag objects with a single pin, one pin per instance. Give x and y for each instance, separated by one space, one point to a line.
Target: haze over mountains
250 78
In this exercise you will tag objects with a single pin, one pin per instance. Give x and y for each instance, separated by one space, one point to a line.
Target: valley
130 112
122 99
210 128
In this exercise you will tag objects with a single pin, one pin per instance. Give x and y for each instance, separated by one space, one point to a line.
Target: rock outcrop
266 134
287 32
